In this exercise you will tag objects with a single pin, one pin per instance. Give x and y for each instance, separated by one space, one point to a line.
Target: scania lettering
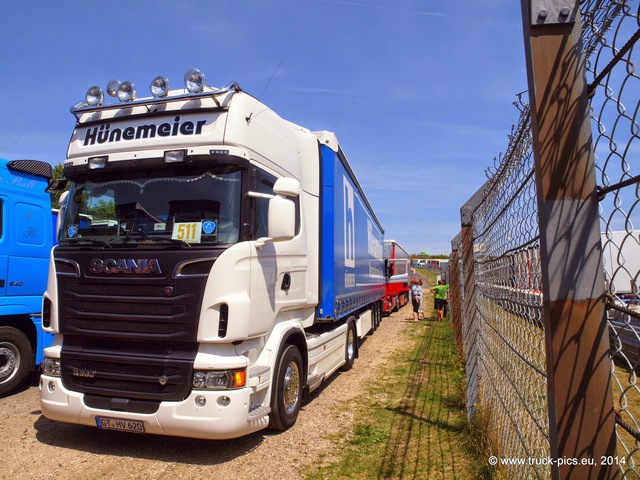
26 234
125 265
215 264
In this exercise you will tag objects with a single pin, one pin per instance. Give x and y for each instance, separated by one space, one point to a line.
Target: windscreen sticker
208 227
189 232
72 231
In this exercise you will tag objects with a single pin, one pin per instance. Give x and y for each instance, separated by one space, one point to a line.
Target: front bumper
185 418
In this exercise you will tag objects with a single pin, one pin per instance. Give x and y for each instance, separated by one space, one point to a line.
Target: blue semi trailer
26 238
215 263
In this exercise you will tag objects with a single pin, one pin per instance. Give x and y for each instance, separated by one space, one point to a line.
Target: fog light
175 156
224 401
201 401
194 80
94 96
126 92
51 387
97 162
112 87
160 87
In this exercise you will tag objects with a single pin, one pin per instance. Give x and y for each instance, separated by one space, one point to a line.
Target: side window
264 184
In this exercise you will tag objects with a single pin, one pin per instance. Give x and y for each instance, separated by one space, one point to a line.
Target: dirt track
34 447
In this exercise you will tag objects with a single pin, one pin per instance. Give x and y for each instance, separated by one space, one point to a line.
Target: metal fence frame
530 298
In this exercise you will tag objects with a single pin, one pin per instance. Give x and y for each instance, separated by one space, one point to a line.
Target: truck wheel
15 359
286 398
351 347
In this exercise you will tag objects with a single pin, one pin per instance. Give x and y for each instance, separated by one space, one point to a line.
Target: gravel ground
34 447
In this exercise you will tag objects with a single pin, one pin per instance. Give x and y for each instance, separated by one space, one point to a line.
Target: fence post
469 325
581 416
455 294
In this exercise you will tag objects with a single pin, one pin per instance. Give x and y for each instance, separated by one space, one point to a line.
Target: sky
419 92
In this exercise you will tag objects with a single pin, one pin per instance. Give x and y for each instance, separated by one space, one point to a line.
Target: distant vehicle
437 265
215 264
621 259
397 263
26 238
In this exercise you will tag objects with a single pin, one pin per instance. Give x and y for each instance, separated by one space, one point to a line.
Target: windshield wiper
92 241
173 241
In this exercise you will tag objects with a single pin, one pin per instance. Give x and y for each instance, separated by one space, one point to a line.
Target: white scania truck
215 263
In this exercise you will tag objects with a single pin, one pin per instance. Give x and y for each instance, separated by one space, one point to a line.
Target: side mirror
282 212
62 202
57 185
64 198
287 187
282 219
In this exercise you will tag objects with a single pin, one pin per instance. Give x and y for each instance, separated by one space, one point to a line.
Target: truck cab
26 240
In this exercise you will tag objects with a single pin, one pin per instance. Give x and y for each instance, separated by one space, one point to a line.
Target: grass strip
412 423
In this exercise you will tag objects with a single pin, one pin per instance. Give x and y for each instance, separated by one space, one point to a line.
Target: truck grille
128 369
128 308
129 336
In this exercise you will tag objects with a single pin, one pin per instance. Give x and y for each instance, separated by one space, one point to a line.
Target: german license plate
120 424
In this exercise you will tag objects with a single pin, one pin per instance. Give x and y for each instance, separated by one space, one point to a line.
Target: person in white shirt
416 298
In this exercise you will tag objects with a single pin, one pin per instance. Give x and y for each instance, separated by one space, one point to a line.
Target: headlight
51 366
220 380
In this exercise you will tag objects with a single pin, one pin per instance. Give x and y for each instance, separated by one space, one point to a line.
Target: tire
286 398
351 347
374 318
16 356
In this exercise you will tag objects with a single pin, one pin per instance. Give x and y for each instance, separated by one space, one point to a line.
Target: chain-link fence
610 32
500 259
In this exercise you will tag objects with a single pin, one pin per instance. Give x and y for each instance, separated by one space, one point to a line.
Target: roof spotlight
126 92
160 87
112 87
94 96
194 80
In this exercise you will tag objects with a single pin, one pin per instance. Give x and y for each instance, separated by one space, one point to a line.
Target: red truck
397 264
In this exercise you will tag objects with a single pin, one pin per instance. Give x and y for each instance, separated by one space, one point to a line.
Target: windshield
200 208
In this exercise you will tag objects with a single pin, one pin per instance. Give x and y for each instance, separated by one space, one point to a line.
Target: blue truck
26 239
215 264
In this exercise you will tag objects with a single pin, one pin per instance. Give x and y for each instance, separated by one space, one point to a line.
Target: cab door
4 257
28 251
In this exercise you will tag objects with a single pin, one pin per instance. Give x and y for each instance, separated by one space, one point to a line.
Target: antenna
264 89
